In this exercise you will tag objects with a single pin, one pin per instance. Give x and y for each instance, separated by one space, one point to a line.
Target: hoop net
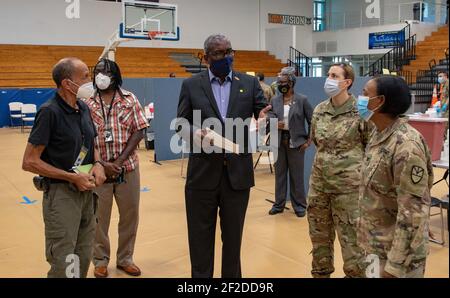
155 37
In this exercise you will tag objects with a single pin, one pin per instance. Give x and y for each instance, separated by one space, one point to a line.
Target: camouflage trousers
329 213
415 270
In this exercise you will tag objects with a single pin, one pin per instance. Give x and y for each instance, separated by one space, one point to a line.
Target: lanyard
106 117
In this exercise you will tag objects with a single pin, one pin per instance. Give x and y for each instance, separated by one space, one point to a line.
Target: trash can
432 129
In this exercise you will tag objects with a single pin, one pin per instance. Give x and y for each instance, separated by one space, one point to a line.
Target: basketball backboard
149 20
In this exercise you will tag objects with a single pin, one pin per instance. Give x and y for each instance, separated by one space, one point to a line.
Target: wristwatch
99 162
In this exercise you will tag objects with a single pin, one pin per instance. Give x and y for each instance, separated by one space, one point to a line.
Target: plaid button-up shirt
126 117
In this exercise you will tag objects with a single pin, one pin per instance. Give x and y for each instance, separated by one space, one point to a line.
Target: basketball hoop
152 35
155 37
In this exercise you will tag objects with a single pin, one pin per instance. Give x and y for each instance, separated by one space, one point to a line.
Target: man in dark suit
218 181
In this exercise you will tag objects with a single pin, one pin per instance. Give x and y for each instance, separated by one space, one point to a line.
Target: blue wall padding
29 95
7 96
165 94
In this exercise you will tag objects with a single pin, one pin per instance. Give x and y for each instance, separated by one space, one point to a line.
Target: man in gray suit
218 182
293 112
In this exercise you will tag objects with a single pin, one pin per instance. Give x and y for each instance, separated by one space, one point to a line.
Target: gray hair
64 69
213 39
289 72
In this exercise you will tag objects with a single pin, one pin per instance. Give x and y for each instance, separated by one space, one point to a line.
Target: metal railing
398 56
200 60
433 72
425 82
390 14
423 88
407 75
300 62
432 63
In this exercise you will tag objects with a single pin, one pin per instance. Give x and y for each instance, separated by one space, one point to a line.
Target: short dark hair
113 68
64 69
349 73
260 76
444 72
397 95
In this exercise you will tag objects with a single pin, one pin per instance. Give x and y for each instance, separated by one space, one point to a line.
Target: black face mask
284 88
222 67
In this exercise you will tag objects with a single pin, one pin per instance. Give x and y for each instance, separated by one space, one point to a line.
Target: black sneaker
300 213
274 211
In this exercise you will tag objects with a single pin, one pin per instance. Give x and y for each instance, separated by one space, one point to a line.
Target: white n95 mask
86 91
102 81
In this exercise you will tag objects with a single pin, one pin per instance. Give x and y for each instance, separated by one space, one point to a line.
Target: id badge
108 136
81 157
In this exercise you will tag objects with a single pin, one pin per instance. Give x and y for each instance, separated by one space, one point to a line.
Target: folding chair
261 152
28 113
442 204
15 112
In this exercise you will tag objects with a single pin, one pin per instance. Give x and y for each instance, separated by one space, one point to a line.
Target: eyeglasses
222 54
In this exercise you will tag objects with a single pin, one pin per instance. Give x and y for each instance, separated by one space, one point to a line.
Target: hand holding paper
222 142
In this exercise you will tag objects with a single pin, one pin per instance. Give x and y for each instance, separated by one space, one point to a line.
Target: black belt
285 134
55 181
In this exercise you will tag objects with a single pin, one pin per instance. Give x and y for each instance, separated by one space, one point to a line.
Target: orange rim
153 34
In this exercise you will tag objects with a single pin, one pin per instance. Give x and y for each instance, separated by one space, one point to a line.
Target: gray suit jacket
246 100
299 112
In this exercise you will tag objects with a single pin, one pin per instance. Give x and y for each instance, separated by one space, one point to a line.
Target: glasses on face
222 54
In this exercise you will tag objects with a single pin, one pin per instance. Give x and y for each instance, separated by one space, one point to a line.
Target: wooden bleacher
31 65
433 47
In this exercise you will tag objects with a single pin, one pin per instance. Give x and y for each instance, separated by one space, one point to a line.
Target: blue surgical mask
441 80
331 87
222 67
363 109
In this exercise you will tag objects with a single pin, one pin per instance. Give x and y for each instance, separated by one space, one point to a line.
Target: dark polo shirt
63 130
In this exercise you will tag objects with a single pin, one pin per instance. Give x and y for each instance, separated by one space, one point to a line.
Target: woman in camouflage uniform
395 190
340 136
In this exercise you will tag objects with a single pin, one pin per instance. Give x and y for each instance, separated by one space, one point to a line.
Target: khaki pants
127 198
69 217
329 213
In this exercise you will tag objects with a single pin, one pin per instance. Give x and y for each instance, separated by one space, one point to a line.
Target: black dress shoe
301 213
274 211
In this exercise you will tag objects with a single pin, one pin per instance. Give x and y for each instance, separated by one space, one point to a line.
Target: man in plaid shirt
120 122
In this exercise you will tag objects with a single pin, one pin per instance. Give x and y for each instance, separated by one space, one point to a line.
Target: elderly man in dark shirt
60 143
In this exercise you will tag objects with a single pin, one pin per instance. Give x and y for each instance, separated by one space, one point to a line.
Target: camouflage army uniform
444 97
268 92
340 136
395 200
274 87
444 100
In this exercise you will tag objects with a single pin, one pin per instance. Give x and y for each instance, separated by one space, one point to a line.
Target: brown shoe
131 269
101 272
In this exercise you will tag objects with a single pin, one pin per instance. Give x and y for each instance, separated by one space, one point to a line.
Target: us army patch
417 174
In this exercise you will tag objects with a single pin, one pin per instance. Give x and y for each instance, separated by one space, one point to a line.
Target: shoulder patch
417 173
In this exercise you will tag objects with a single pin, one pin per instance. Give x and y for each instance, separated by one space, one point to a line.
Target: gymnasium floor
273 246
